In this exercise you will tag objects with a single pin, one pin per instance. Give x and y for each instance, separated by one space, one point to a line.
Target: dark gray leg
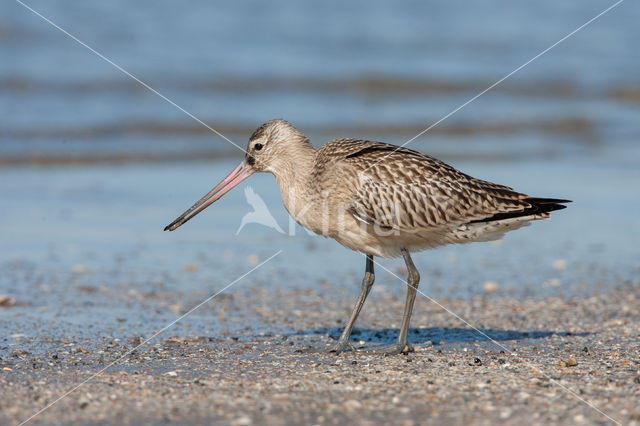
367 283
413 279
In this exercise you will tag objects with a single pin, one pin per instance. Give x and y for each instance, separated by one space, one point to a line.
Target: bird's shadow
437 336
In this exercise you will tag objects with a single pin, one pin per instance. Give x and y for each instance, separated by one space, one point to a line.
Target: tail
539 208
546 205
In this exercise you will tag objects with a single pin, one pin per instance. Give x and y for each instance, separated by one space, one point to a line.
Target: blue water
218 62
383 71
110 219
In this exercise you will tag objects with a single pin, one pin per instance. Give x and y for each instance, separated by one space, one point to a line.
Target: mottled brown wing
406 190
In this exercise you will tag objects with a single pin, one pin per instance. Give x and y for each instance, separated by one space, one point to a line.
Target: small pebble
175 308
491 286
560 265
191 268
351 404
79 268
6 300
242 421
551 282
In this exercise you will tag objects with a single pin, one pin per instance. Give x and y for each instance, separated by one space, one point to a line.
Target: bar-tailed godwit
379 200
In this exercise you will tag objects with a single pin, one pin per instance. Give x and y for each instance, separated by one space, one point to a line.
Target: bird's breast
317 211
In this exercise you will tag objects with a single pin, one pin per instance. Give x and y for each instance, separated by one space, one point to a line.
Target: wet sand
89 275
244 358
92 276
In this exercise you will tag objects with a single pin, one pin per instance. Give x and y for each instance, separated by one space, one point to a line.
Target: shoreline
561 350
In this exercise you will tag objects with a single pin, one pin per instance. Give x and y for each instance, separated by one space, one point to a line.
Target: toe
338 347
396 349
407 348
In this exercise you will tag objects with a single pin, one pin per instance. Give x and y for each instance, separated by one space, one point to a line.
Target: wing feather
398 188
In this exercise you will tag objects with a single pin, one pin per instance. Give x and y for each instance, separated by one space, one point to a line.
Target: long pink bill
238 174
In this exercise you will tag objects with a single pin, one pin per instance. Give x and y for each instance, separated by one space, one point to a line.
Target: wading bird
379 200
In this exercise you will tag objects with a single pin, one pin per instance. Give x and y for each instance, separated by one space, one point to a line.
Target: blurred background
93 165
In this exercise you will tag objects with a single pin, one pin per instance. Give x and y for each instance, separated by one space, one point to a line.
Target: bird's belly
339 224
389 243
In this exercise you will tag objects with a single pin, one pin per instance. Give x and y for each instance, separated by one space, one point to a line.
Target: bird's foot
395 349
339 347
336 348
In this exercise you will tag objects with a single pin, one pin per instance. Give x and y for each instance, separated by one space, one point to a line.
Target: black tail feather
535 200
538 206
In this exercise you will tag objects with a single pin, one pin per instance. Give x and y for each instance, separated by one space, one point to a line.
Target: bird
260 213
380 200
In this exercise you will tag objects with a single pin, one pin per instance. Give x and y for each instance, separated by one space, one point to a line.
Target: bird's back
397 188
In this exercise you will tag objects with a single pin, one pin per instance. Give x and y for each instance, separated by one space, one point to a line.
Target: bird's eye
257 146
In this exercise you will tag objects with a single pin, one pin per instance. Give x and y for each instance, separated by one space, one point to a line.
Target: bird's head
271 146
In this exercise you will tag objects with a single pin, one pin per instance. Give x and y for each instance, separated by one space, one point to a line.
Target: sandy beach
549 360
539 328
117 116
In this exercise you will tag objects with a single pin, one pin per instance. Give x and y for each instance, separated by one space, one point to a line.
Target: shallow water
81 239
332 69
96 216
84 254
